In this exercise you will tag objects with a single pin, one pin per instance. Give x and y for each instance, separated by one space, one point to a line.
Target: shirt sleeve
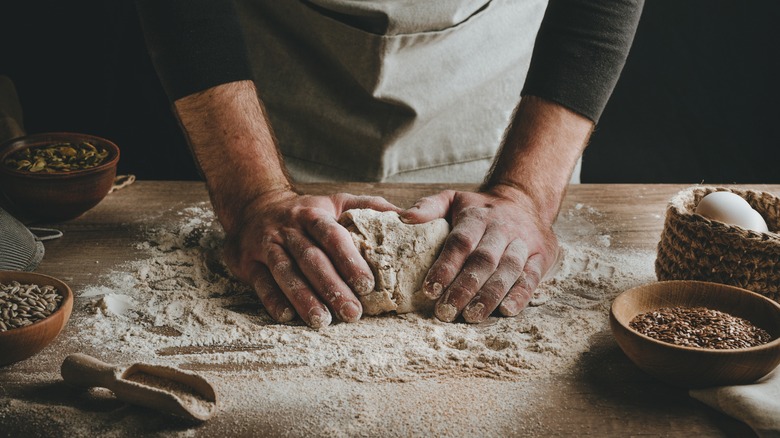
580 51
194 44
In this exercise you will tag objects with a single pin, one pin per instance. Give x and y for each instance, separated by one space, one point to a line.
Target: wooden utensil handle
85 371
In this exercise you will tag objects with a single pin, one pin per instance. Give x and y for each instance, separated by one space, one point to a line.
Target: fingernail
349 312
364 285
286 315
406 214
446 312
319 318
474 313
432 289
508 308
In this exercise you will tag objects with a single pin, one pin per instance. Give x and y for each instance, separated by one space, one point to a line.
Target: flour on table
187 311
399 255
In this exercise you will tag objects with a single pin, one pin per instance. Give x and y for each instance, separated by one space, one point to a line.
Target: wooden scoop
163 388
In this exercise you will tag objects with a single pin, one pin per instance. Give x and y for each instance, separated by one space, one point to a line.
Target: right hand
291 249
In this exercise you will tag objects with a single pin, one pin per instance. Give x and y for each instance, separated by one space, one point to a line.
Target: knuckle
275 255
458 293
513 262
461 241
519 294
332 293
515 255
280 268
494 240
472 213
310 253
441 273
533 272
365 199
342 198
532 279
492 292
469 280
483 257
271 237
522 281
329 236
308 214
500 283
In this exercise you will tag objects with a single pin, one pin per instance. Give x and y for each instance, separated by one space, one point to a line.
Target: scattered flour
385 375
178 306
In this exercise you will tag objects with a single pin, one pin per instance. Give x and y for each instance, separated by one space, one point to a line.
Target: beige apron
390 90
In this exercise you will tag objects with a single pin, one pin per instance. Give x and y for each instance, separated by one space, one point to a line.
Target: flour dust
179 306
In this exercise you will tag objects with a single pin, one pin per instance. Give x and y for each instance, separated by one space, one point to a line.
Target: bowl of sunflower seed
57 176
34 309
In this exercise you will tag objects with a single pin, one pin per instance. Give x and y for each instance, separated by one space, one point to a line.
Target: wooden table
605 396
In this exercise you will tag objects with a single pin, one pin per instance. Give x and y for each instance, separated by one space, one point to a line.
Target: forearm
234 146
539 153
580 51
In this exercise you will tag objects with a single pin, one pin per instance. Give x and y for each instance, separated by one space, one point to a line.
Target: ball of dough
399 255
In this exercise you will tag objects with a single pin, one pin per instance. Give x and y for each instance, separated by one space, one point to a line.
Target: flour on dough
399 254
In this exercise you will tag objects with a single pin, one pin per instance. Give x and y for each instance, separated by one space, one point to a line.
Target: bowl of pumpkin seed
54 177
34 309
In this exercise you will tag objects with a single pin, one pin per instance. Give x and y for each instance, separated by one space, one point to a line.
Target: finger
273 299
462 240
373 202
294 286
429 208
319 271
335 240
498 285
522 291
479 266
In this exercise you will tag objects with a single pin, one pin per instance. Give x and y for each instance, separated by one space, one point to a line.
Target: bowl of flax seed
34 308
698 334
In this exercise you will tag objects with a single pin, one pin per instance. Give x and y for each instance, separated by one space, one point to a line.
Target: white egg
732 209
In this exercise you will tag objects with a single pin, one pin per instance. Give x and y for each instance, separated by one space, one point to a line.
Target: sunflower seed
22 305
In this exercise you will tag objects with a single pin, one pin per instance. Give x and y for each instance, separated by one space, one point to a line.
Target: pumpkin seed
60 157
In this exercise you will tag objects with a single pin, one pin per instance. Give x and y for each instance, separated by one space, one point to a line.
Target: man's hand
289 247
314 266
496 254
502 241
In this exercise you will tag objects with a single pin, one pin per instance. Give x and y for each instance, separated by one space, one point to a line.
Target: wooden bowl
20 343
56 196
697 367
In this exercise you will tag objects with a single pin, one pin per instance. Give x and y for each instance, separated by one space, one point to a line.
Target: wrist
234 206
234 146
544 204
539 153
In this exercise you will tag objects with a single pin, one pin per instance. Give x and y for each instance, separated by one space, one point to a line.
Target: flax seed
699 327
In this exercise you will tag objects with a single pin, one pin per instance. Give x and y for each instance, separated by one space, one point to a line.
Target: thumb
429 208
373 202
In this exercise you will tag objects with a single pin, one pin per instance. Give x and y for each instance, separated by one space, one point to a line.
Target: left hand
497 252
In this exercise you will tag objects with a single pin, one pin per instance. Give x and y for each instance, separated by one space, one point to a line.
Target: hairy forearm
539 153
234 146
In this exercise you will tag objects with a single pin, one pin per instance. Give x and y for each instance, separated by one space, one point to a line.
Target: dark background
697 102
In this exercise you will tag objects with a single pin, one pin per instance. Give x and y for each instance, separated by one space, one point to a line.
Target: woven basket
693 247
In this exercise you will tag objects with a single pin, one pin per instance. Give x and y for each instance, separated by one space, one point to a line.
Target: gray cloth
20 250
381 90
757 405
